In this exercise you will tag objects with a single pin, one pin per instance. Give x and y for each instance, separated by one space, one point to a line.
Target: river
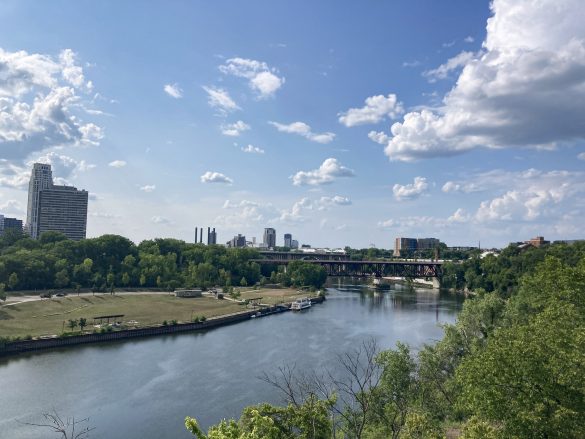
144 388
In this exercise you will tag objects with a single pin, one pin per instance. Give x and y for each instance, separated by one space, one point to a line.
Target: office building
53 207
9 224
427 243
269 237
294 244
404 246
288 240
237 241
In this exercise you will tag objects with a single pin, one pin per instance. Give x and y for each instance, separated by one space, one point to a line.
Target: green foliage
82 323
72 324
101 263
301 273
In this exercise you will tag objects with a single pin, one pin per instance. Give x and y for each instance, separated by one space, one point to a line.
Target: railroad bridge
344 267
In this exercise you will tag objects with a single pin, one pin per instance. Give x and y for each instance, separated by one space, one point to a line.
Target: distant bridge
344 267
295 256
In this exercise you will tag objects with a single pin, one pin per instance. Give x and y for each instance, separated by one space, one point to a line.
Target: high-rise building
404 246
294 244
288 240
53 207
9 224
270 237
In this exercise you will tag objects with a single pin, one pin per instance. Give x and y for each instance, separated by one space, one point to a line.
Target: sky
340 122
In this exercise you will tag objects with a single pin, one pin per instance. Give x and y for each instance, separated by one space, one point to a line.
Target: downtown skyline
340 123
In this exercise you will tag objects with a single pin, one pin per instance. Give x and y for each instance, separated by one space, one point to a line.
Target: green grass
47 316
276 295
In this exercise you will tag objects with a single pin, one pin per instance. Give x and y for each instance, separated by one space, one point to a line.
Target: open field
46 316
275 296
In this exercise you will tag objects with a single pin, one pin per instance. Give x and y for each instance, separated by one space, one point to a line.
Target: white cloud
376 109
459 216
252 149
37 95
160 220
326 202
410 191
173 90
414 63
148 188
581 156
117 164
379 137
261 78
452 186
234 129
220 99
454 63
215 177
11 206
469 39
302 129
526 87
329 170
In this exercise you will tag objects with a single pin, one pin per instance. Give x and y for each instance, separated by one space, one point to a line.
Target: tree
72 324
69 428
82 323
62 278
2 292
243 282
12 281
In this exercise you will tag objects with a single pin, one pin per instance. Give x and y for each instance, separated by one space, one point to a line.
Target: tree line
512 366
55 262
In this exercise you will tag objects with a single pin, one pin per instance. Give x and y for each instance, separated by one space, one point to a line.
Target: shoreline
22 346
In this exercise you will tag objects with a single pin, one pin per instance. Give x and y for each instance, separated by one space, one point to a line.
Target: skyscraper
270 237
288 240
55 208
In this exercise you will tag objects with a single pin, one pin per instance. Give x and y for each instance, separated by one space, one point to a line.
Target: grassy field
276 295
47 316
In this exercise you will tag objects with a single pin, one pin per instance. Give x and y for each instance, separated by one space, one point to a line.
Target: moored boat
302 303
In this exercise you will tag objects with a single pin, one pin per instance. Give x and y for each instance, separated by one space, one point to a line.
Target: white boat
299 304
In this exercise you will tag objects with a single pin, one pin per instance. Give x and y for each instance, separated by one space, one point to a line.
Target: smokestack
208 235
201 236
195 235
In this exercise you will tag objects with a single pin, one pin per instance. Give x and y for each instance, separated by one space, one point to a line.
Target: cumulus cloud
148 188
410 191
469 39
220 99
379 137
459 216
234 129
261 78
251 149
173 90
117 164
581 156
328 172
11 206
302 129
215 177
465 187
526 87
245 212
37 95
337 200
376 109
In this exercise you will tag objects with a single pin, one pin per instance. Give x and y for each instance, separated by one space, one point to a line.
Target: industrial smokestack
195 235
208 235
201 236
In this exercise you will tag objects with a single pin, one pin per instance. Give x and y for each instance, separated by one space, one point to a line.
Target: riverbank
21 346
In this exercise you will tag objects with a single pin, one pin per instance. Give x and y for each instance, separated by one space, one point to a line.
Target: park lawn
273 296
43 317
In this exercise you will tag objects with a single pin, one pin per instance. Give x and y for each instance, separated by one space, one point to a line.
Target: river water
144 388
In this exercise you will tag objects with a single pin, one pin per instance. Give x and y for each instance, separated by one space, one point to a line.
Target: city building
53 207
294 244
9 224
237 241
288 240
537 241
211 236
407 246
269 237
404 246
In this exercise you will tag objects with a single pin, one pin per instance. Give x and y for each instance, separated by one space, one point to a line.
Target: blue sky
343 123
